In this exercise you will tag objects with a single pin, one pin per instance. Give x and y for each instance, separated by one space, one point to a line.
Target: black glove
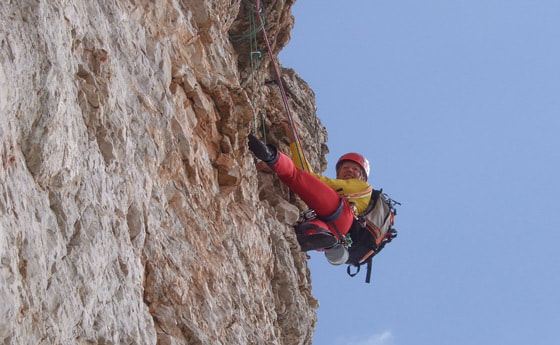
262 151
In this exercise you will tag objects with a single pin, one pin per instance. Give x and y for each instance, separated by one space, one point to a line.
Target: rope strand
301 155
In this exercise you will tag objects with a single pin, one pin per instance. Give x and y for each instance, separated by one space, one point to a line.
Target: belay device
371 231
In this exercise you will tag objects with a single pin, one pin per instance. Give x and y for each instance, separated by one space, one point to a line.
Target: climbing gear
257 9
257 98
371 231
356 158
306 216
312 237
277 72
264 152
334 216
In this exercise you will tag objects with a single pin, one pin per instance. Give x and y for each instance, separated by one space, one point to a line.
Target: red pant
316 194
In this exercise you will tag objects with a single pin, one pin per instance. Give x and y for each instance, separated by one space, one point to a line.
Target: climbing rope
255 69
261 20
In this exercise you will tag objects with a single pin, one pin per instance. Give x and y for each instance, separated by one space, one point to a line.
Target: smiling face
349 170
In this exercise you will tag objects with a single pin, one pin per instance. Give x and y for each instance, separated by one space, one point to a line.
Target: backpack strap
372 201
368 273
349 270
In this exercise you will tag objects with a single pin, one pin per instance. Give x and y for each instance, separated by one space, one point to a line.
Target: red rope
280 84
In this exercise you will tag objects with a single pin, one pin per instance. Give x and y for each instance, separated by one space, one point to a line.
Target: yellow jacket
355 191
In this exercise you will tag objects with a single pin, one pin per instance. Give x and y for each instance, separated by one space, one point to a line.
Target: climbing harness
332 218
310 214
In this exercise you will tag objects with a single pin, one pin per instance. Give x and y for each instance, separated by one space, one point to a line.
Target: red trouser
316 194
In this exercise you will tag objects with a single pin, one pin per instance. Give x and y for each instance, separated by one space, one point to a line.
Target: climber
336 202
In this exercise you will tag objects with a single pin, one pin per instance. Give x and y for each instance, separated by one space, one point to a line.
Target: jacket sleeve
298 158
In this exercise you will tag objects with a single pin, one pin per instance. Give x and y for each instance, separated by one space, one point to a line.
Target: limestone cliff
131 211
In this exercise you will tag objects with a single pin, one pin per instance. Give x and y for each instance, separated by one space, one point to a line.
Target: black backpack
371 231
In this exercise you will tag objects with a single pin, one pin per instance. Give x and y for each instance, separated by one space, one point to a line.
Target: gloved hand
262 151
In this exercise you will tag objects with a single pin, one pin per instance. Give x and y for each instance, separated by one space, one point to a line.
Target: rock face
131 211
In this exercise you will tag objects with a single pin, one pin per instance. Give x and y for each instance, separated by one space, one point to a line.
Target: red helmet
356 158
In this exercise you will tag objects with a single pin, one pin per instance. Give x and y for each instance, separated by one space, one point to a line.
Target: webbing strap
372 201
349 270
335 215
368 274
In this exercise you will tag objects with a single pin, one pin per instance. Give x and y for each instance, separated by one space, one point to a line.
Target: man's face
349 170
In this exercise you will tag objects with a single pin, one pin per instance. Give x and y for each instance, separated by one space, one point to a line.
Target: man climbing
336 202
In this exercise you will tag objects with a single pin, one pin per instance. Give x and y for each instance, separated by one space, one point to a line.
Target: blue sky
456 104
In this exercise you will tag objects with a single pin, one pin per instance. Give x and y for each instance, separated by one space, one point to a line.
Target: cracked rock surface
131 211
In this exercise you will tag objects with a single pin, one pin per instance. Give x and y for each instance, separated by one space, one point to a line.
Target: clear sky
456 104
